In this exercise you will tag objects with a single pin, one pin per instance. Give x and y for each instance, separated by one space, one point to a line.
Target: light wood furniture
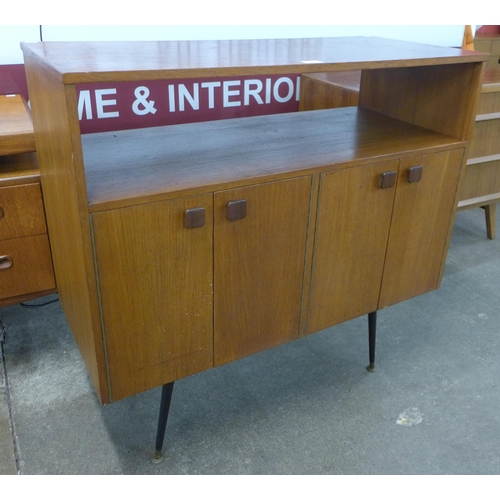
181 248
25 260
16 128
481 184
490 43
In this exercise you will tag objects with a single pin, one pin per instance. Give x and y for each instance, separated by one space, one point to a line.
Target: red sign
127 105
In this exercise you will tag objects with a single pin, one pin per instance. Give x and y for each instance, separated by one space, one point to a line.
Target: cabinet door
154 267
260 236
354 216
421 225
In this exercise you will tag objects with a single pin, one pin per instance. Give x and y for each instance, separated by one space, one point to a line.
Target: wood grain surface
79 62
136 166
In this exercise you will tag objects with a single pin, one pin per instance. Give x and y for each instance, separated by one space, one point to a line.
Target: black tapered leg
372 333
166 397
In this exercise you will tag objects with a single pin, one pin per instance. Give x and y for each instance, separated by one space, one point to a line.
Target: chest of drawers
25 259
481 184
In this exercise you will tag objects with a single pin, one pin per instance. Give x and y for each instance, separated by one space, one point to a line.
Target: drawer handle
1 213
387 180
5 262
236 210
414 174
194 217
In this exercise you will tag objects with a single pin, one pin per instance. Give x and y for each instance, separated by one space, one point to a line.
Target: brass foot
158 458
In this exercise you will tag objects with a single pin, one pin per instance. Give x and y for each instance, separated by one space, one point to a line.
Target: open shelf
134 166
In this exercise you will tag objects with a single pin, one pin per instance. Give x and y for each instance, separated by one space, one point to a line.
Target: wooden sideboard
181 248
481 184
25 260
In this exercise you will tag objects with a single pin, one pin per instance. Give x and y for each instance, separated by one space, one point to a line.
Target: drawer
485 139
489 103
480 179
495 48
25 266
21 211
494 61
482 45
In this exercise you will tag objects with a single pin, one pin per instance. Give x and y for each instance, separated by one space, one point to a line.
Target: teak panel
420 228
259 267
329 90
411 95
352 228
80 62
31 266
155 279
57 133
21 211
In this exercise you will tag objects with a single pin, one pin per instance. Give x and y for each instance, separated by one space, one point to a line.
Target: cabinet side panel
259 265
422 218
351 237
57 138
441 98
155 279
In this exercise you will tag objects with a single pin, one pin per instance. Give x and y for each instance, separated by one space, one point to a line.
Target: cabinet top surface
16 128
83 62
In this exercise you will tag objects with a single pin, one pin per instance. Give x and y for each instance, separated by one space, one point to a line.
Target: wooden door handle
194 217
5 262
414 174
236 210
388 180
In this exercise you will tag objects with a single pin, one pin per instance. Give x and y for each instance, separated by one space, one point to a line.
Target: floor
432 406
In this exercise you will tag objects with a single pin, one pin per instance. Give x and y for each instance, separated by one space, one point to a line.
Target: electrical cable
23 304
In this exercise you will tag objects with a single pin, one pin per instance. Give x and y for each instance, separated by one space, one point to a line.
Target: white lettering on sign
84 103
184 97
141 105
276 89
211 92
171 98
297 90
252 88
268 90
230 93
194 100
100 103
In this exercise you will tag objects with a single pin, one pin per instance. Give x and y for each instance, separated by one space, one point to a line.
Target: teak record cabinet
181 248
